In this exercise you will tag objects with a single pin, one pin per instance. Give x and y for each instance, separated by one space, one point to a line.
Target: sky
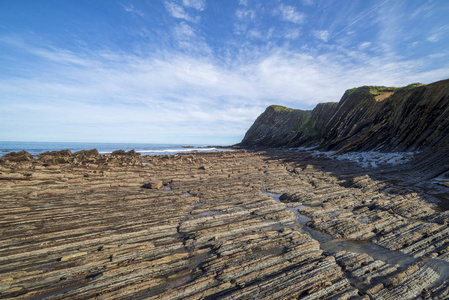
200 71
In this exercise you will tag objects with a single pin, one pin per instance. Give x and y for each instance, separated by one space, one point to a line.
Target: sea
35 148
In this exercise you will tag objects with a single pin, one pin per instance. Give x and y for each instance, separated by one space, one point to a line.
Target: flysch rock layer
204 226
369 118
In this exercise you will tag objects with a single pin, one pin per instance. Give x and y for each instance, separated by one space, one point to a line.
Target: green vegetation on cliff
304 124
377 90
373 90
410 86
409 118
280 108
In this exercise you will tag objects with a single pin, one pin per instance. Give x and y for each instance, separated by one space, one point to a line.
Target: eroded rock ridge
211 226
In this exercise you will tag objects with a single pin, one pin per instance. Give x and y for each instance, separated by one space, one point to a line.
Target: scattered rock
87 153
155 184
123 152
61 153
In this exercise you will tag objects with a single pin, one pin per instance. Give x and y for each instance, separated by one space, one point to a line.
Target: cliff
411 118
277 126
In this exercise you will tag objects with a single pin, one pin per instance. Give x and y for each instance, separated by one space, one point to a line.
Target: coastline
205 226
36 148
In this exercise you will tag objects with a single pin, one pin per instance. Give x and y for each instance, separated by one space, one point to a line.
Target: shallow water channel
331 245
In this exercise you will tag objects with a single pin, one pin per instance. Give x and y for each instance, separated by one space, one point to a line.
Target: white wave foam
169 150
370 159
176 150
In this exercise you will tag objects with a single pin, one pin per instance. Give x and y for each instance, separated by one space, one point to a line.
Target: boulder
119 152
91 152
18 156
55 157
124 153
154 184
61 153
132 153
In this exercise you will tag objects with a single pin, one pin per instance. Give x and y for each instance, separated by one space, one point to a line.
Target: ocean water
145 149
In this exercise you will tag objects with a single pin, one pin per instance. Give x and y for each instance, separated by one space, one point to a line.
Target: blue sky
200 71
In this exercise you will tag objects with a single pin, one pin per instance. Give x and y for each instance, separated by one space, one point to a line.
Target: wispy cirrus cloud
179 96
245 14
292 34
308 2
177 11
322 35
196 4
197 70
438 33
131 9
290 14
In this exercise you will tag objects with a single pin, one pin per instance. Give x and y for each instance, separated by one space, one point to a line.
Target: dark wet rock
60 153
87 153
56 157
123 152
119 152
21 156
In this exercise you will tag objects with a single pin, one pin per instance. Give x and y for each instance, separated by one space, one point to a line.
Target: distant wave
176 150
146 149
169 150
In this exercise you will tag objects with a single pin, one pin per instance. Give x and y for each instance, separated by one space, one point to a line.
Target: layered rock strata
412 118
85 227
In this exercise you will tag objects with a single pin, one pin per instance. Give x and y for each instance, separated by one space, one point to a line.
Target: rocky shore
221 225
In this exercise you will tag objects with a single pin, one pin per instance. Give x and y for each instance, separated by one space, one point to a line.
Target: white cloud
364 45
292 34
184 31
245 14
425 10
321 35
438 55
288 13
131 9
438 33
433 38
173 96
196 4
308 2
177 11
261 35
189 41
382 17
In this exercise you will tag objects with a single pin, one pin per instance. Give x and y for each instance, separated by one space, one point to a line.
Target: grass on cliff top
373 90
377 90
410 86
280 108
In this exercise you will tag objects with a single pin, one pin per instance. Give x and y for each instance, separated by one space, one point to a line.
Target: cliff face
276 127
412 118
